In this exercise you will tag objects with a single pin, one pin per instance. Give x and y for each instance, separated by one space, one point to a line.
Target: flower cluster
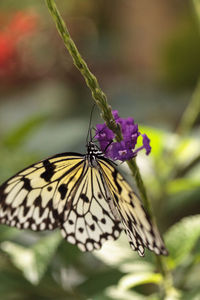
124 150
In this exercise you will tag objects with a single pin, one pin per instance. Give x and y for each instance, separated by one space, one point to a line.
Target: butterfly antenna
97 132
89 127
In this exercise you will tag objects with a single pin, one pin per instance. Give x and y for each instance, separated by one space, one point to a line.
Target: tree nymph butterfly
83 195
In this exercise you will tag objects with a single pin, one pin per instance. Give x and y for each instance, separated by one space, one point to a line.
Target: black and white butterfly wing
65 192
88 203
90 221
140 230
35 197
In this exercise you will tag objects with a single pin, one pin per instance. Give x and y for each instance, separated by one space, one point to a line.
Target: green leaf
192 295
97 282
181 239
115 253
14 161
131 280
7 232
33 261
11 284
173 294
16 137
44 251
187 149
182 184
179 203
197 8
118 254
157 138
115 293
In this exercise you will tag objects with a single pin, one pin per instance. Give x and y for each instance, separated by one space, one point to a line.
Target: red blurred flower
7 49
18 28
22 23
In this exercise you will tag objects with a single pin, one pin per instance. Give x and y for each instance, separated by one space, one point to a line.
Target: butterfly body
83 195
93 154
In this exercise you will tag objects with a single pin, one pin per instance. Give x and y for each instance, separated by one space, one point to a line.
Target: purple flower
146 144
120 151
124 150
104 135
115 114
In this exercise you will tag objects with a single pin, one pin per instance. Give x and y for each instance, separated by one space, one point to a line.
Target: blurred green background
146 58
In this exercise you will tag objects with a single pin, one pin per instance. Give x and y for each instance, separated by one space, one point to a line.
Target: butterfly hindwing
140 230
89 220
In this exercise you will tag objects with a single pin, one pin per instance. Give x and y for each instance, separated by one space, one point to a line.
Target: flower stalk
191 112
97 93
91 81
102 103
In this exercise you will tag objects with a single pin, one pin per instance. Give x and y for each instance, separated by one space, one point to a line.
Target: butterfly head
93 149
93 152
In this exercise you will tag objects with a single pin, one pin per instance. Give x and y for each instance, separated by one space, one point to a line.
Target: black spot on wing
3 195
27 185
92 227
26 209
94 218
38 201
63 191
152 232
100 196
114 173
84 198
49 170
50 205
103 220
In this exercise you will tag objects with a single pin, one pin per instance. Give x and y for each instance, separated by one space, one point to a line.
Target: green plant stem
196 4
180 172
193 109
191 112
97 94
168 290
136 174
101 101
91 81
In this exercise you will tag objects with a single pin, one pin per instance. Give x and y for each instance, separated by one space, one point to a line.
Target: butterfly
85 196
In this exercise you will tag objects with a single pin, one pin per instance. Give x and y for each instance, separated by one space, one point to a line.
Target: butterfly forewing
34 198
140 230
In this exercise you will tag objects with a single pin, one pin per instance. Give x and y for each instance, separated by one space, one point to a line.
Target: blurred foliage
183 45
43 266
44 110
